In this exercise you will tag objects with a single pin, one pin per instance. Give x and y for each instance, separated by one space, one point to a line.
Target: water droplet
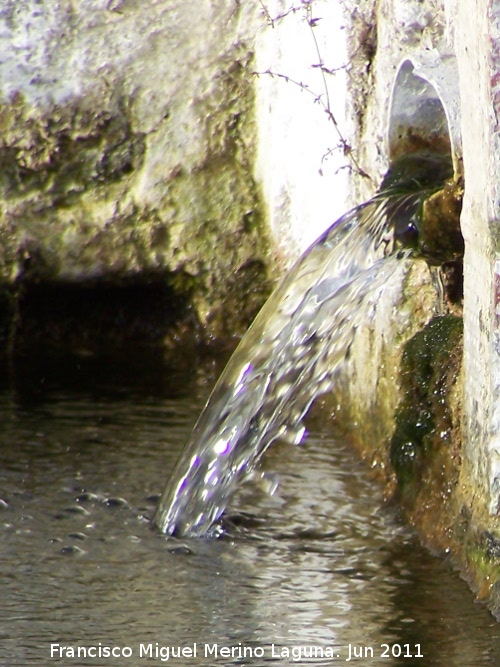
221 446
268 482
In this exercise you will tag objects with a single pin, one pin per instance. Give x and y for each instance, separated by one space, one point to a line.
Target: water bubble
76 509
87 497
116 502
180 549
71 550
78 536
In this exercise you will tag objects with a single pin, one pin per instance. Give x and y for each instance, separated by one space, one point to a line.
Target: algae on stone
424 424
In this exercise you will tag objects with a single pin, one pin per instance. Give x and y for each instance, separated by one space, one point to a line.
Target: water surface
85 448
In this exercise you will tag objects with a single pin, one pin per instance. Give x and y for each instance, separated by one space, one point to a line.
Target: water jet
297 346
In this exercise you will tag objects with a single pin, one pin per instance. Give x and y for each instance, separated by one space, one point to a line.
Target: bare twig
343 145
323 99
311 22
273 20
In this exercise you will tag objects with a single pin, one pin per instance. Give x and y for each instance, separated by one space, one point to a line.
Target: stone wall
127 146
454 495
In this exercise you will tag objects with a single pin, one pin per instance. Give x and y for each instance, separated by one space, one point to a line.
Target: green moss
57 158
480 564
423 420
440 238
485 566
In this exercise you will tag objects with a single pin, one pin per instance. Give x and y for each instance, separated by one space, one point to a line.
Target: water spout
295 347
425 108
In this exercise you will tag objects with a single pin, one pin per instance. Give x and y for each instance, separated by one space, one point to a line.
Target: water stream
295 347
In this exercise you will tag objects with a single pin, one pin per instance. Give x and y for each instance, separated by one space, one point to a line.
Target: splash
295 348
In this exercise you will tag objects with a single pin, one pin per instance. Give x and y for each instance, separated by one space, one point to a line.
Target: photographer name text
165 653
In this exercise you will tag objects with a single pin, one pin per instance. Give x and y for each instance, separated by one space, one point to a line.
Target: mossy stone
423 421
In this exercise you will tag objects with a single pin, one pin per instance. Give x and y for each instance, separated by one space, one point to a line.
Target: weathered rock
127 142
